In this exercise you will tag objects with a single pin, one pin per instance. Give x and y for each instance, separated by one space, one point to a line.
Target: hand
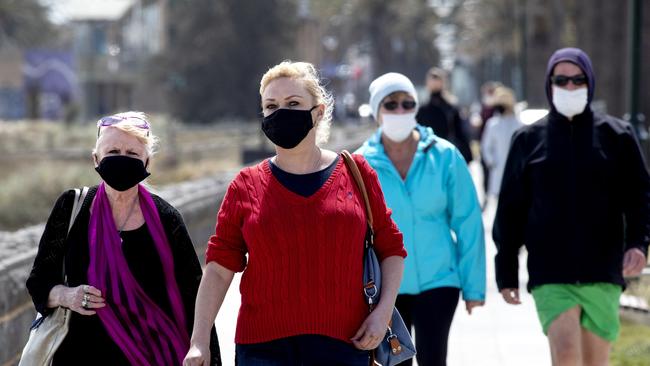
198 355
74 298
633 262
372 331
471 304
511 296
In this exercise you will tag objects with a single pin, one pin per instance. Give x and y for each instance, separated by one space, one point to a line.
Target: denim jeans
302 350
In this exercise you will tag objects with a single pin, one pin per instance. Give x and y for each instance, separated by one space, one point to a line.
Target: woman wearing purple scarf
131 270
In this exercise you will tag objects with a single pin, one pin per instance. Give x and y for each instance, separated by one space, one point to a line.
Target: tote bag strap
79 197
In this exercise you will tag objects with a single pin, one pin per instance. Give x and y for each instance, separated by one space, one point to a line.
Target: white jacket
495 145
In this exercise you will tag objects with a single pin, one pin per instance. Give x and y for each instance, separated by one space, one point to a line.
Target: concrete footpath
497 334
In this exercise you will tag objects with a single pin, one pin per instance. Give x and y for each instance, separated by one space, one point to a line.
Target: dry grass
633 346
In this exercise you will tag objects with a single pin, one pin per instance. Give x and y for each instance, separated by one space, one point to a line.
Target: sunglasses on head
392 105
563 80
113 120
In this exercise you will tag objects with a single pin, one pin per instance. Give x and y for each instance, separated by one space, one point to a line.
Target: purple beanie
575 56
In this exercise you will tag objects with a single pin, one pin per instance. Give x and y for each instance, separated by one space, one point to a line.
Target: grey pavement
497 334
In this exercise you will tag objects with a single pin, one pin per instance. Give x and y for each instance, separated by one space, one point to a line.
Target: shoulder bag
397 345
47 333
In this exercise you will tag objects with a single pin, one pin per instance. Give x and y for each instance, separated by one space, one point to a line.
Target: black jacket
446 123
86 335
577 194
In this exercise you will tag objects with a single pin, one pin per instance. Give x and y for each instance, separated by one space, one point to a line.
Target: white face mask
398 127
570 102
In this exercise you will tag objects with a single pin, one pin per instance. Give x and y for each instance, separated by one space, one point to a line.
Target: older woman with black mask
132 271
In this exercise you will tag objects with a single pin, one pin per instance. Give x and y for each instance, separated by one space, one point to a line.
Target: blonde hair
129 123
506 97
308 75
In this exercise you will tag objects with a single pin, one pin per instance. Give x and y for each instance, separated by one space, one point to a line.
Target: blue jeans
302 350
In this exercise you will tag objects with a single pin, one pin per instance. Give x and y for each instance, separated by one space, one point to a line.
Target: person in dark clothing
131 270
441 115
576 192
487 103
487 111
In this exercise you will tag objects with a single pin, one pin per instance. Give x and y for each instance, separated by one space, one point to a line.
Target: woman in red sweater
295 224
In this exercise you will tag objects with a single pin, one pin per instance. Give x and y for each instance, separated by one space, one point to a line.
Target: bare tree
218 52
24 23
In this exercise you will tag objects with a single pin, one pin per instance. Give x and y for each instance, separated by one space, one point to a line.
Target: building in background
50 84
99 66
112 42
12 93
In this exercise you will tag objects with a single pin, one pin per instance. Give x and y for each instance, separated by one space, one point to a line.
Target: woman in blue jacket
427 185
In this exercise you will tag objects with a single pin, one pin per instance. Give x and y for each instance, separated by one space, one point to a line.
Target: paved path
495 335
498 334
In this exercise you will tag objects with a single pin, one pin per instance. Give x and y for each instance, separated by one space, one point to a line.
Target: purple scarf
138 326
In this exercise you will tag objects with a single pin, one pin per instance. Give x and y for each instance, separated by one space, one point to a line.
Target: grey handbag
397 345
47 333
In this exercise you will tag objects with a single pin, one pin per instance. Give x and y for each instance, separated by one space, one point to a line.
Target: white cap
386 85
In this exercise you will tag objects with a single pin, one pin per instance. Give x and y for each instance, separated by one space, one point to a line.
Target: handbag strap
370 287
79 197
354 169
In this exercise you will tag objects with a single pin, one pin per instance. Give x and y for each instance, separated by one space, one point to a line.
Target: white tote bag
47 333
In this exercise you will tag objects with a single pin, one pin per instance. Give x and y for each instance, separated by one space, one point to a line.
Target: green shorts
599 304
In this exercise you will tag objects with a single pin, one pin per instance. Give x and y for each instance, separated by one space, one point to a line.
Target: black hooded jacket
446 122
577 194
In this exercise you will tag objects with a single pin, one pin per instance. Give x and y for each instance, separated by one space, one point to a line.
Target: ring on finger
84 303
86 297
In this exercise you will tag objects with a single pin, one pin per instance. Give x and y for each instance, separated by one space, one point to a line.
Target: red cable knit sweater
304 270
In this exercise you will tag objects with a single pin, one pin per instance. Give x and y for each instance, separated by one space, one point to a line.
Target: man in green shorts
576 192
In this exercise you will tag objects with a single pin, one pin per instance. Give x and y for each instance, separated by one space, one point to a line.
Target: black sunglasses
406 105
563 80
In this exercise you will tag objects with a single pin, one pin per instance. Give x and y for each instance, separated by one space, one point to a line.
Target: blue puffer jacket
437 210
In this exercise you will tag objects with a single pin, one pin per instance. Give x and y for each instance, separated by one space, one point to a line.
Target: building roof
93 10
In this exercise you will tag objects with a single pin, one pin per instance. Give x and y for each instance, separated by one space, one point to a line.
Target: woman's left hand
471 304
372 331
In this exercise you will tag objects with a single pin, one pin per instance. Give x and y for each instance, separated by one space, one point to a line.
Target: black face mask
499 109
288 127
122 172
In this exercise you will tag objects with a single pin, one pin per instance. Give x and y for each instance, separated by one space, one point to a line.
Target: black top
138 248
303 184
446 122
577 194
87 339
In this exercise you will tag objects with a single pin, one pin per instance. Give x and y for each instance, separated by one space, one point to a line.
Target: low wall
197 200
